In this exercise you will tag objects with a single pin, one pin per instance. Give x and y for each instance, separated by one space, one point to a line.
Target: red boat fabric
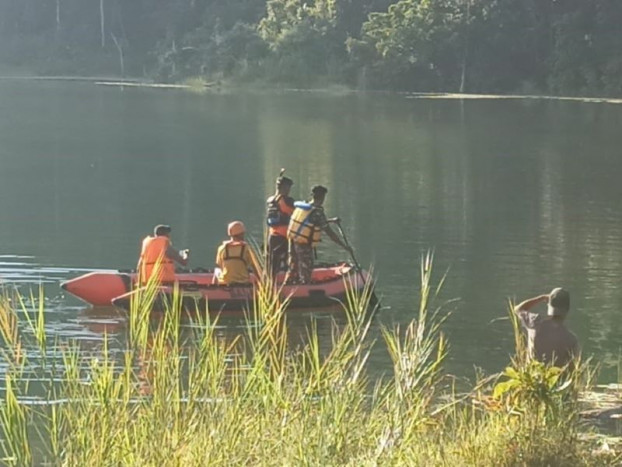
101 288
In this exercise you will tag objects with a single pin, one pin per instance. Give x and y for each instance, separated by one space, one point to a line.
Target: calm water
516 197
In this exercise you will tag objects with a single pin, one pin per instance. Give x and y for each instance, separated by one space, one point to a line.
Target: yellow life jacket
232 261
300 230
152 256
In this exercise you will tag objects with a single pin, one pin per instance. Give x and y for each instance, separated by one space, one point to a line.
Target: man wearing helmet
234 258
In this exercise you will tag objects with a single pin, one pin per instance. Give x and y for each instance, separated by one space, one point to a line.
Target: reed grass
257 399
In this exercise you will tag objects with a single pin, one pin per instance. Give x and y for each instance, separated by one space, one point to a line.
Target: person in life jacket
234 258
280 207
158 257
304 232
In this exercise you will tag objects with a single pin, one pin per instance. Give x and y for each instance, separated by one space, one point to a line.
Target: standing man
158 257
548 340
304 232
280 208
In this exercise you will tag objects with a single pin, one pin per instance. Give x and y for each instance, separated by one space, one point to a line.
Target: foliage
540 401
570 47
533 386
255 398
304 39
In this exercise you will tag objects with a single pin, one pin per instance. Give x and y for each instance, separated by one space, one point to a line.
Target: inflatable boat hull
328 287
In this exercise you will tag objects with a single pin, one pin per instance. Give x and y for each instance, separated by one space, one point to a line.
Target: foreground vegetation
254 399
484 46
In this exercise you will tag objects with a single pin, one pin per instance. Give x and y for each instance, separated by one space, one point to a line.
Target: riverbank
200 85
458 96
255 399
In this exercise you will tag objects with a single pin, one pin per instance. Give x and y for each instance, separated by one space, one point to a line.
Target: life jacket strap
303 224
228 256
276 216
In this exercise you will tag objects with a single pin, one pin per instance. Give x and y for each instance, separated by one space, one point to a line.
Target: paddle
373 300
337 222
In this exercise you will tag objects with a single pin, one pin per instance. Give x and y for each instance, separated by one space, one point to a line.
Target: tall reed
256 397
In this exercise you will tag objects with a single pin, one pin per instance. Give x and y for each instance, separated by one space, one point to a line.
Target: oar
373 300
345 240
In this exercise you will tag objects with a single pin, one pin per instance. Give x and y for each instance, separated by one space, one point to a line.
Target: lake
516 197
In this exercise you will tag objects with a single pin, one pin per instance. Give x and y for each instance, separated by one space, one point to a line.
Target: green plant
256 395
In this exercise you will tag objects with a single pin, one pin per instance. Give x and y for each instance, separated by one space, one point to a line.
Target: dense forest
527 46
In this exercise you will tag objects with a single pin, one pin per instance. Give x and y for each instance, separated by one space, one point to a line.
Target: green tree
416 44
587 53
304 39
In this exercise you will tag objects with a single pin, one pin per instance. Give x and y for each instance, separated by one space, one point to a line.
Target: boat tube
98 288
328 287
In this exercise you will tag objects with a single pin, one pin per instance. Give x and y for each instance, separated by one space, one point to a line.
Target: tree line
528 46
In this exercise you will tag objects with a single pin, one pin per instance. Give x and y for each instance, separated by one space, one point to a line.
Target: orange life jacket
152 256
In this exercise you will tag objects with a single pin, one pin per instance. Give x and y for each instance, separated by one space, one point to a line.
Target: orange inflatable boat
327 287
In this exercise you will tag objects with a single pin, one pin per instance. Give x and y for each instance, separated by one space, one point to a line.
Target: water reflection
516 197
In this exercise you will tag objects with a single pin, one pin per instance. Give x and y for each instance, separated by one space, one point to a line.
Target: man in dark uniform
280 207
306 225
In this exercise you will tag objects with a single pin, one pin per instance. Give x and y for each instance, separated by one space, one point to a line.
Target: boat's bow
98 288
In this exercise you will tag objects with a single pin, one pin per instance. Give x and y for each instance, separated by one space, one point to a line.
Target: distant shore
199 84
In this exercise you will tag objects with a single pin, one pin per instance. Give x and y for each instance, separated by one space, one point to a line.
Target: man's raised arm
528 304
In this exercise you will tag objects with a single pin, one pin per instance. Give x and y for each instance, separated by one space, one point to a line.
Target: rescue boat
328 287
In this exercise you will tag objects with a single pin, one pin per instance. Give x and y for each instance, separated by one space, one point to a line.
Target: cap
319 190
236 228
559 302
284 181
161 229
